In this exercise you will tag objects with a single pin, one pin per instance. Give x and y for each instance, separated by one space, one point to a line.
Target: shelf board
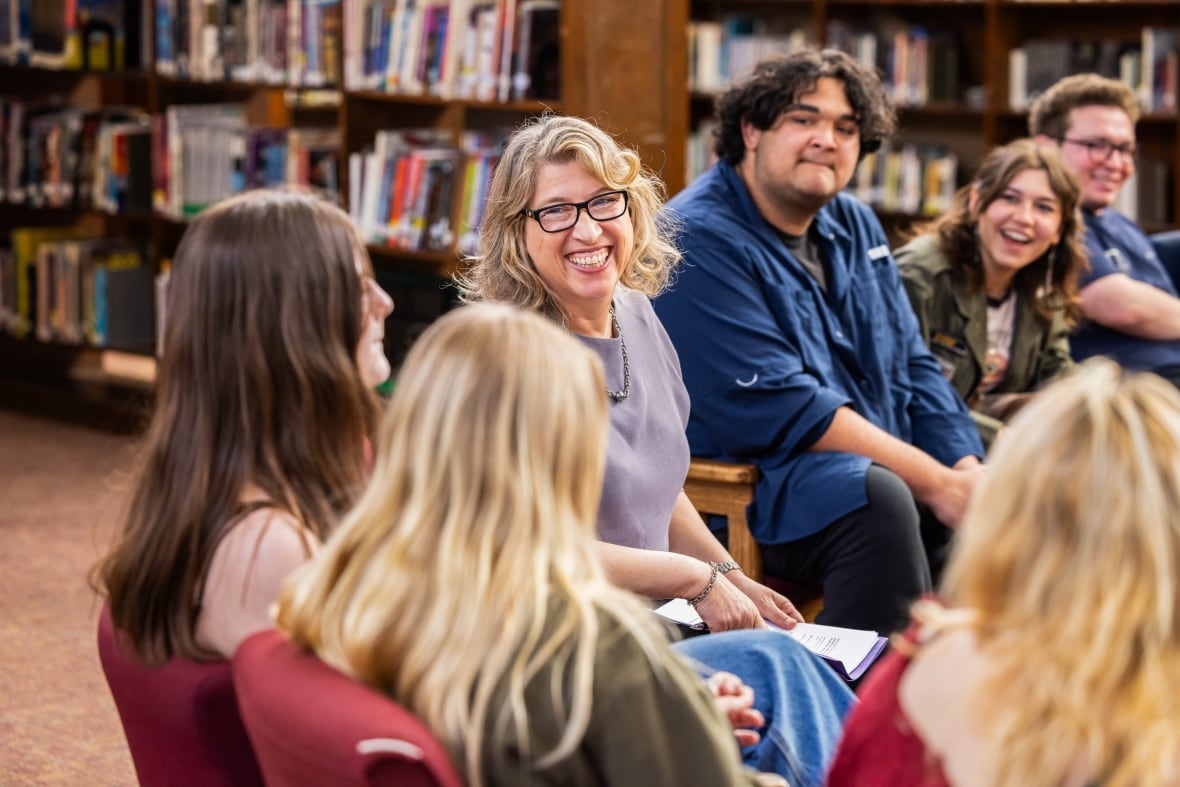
38 72
942 111
1105 4
245 86
441 263
19 214
116 367
1153 118
529 106
908 3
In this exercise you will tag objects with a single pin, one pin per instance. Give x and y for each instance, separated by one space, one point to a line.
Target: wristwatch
727 566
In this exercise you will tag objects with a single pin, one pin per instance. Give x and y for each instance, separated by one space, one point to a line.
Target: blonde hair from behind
501 269
1068 563
439 586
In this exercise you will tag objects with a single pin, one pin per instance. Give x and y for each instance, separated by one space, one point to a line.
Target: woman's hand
735 700
726 608
771 606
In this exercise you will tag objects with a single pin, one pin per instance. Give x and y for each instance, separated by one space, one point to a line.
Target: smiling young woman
994 281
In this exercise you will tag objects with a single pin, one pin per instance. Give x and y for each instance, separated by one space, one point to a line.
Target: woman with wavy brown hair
263 411
994 282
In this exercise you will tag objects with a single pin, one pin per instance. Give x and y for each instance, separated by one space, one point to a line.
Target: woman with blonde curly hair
465 583
571 231
1054 656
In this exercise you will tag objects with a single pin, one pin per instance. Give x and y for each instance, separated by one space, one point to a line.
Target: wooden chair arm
724 472
726 489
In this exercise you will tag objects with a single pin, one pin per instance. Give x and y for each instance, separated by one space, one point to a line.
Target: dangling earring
1050 261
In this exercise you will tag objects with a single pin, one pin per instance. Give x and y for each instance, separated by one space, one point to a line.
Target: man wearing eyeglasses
1131 305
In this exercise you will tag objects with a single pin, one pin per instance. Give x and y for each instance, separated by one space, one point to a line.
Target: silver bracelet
716 567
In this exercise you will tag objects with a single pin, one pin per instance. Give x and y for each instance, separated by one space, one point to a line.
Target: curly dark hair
777 83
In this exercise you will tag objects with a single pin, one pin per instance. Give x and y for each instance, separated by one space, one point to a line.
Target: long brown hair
257 384
958 240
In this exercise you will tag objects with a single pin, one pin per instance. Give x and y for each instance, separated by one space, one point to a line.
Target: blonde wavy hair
1067 568
501 269
468 564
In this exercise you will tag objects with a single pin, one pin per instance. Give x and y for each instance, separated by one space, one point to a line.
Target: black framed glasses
1101 149
563 215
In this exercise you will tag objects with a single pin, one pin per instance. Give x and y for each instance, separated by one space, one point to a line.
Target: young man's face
1098 148
808 155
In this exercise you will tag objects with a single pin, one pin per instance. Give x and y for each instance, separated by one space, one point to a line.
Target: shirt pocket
802 323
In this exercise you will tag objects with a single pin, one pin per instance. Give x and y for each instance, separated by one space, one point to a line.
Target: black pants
871 563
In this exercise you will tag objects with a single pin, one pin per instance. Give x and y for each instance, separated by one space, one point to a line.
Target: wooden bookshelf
621 64
625 65
983 32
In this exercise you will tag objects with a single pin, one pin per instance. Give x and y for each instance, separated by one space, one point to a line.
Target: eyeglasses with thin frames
1101 149
563 215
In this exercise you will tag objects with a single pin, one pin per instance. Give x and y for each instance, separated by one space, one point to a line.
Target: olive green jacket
954 324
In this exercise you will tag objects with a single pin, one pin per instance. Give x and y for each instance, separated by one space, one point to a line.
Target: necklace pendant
619 396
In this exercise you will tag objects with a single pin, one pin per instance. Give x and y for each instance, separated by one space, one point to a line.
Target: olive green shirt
647 727
954 325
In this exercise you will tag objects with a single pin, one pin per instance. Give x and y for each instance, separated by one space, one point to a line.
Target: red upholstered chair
181 719
311 724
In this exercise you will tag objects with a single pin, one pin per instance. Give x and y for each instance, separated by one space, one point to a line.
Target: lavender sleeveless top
647 453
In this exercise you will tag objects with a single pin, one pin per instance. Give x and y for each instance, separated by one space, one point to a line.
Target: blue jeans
803 700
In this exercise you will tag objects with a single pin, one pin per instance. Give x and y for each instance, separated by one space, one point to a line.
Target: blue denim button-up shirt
768 356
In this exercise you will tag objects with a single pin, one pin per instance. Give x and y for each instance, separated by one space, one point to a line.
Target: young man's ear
1045 139
750 134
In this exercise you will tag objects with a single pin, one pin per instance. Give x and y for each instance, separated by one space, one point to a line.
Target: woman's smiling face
580 266
1019 225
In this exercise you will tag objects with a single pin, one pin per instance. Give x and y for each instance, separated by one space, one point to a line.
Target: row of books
919 66
406 187
1149 68
1146 197
63 285
912 179
488 50
294 42
721 52
122 160
203 153
699 151
69 157
69 34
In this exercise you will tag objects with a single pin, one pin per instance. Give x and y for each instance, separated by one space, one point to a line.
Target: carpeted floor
59 499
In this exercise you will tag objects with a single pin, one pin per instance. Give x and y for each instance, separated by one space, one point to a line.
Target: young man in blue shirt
801 353
1131 305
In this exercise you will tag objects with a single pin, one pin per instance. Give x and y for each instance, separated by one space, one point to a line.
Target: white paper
849 647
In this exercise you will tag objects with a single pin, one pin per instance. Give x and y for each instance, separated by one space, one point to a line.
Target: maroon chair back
311 724
181 719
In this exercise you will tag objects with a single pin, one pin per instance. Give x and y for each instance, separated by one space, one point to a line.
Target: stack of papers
848 651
